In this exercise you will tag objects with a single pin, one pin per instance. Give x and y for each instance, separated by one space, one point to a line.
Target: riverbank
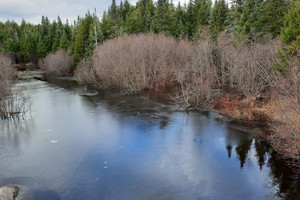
35 74
237 80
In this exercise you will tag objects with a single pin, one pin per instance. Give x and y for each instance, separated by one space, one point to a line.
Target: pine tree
113 10
41 48
271 17
90 43
58 34
202 12
81 40
291 30
234 16
12 38
104 26
190 19
164 18
218 17
180 21
149 15
250 15
24 42
137 18
46 33
64 41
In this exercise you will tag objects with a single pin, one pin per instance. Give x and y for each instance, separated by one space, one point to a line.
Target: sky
33 10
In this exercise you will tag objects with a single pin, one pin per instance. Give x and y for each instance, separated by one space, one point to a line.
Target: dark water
110 146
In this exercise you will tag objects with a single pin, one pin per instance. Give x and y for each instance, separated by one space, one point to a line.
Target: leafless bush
137 63
15 104
7 72
197 77
246 69
144 62
58 64
286 137
225 64
85 73
13 101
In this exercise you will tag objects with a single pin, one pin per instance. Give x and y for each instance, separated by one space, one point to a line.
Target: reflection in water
287 181
12 132
242 150
112 146
229 150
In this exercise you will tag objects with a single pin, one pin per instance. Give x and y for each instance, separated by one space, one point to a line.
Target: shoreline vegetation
242 61
242 85
14 103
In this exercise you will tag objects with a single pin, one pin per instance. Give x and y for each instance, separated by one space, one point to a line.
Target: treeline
248 20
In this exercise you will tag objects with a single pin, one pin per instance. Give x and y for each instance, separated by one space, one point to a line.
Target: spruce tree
271 17
218 17
180 21
82 37
64 41
291 30
161 21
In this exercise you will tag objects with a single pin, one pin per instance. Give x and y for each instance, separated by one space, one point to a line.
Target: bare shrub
137 62
13 101
247 69
85 73
197 77
7 72
226 64
286 137
58 64
15 104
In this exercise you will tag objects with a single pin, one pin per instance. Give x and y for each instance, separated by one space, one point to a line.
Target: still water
73 146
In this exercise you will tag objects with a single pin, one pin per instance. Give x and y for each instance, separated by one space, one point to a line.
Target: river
111 146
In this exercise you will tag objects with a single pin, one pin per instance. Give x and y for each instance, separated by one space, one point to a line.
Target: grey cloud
32 10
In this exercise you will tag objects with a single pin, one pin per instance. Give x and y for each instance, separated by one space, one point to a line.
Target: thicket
137 63
202 70
57 64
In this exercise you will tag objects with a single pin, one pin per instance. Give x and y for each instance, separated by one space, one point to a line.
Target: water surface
111 146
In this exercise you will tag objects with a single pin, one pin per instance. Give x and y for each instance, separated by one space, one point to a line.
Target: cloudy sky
32 10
